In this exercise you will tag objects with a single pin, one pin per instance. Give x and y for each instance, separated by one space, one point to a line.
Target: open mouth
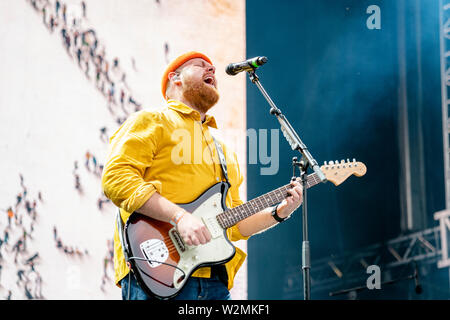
209 80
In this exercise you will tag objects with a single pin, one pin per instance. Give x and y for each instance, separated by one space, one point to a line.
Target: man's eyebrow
201 62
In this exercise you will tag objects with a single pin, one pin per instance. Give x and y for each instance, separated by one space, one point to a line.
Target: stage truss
349 270
444 35
444 18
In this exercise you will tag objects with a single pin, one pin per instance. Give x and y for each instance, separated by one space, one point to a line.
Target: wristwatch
276 216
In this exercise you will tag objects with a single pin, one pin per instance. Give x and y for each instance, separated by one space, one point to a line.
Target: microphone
247 65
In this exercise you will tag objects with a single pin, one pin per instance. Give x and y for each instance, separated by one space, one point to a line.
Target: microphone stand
306 162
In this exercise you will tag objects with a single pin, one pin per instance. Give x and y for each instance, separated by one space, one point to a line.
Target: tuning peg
330 163
354 160
324 163
342 161
336 162
348 160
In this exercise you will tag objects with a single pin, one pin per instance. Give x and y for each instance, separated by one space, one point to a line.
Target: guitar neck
232 216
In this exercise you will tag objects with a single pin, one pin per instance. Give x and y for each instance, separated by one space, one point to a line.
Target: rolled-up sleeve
131 152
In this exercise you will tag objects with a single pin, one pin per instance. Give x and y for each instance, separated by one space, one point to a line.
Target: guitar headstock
337 172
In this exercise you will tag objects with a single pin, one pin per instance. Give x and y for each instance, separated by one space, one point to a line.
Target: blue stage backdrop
341 84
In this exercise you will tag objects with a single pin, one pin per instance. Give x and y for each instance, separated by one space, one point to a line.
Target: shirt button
217 179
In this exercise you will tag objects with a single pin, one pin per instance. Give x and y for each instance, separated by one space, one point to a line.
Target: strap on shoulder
222 159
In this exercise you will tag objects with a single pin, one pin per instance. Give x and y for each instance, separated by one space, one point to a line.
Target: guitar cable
149 260
127 258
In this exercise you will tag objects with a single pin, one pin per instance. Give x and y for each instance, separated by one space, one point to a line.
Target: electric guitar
162 262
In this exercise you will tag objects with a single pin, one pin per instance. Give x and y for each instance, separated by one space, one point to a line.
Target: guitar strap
220 270
120 229
222 160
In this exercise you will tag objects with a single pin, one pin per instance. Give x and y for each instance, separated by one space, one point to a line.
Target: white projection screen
56 117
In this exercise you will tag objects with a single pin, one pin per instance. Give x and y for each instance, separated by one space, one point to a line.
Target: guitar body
164 262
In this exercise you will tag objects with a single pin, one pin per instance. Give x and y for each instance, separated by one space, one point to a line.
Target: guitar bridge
177 240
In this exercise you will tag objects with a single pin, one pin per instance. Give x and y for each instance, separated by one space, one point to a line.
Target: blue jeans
194 289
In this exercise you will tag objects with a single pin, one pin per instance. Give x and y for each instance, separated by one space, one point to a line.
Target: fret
313 179
278 195
260 204
263 202
283 192
251 203
247 211
270 196
244 213
267 200
236 216
257 204
273 196
234 220
230 219
219 219
233 216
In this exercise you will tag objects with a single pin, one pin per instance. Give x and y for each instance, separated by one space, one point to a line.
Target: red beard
201 95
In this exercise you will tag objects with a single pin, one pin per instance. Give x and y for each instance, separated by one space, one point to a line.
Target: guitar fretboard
232 216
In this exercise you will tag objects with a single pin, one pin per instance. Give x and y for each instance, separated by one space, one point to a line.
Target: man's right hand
193 230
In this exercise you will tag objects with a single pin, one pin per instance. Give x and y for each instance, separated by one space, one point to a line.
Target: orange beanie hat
176 63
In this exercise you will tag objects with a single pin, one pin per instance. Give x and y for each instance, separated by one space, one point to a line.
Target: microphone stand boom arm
307 160
288 131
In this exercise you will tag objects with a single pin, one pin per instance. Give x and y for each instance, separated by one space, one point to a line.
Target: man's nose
212 69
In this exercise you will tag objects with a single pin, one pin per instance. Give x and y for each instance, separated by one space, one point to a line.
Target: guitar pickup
177 240
213 226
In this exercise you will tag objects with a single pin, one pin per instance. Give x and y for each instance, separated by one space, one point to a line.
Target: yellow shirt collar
181 107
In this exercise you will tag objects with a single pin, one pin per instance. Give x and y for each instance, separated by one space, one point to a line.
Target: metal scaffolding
349 269
444 30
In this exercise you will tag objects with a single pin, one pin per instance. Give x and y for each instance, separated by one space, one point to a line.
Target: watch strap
276 216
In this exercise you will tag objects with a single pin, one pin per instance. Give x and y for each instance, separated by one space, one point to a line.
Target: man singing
147 172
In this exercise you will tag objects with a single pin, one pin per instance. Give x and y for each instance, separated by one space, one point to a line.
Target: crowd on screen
82 45
15 237
68 21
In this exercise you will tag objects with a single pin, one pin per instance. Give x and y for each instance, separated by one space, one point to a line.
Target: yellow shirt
172 152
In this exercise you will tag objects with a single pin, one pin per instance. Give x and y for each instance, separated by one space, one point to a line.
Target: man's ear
174 77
